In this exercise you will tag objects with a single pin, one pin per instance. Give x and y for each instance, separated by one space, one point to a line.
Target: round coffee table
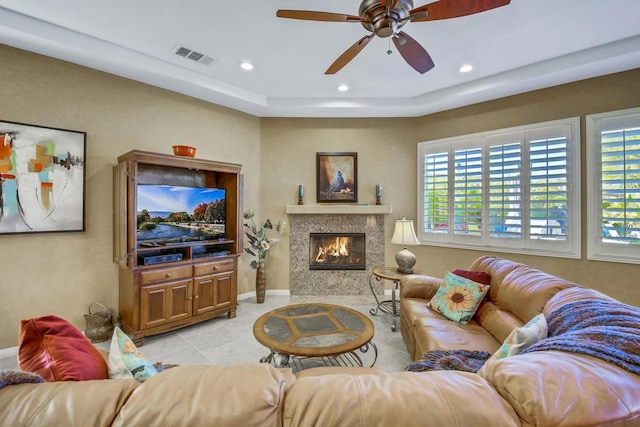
305 335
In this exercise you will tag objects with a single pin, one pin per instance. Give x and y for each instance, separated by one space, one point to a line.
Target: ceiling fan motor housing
383 24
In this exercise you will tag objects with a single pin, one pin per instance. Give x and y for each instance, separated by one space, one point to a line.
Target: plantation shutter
436 192
549 187
620 160
505 188
467 192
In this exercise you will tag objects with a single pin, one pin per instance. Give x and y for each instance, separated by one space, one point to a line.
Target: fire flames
337 249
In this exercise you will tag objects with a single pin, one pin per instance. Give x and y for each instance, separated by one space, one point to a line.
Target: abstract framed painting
42 179
337 177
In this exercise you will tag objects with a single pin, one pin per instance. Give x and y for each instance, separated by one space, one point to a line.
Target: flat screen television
172 213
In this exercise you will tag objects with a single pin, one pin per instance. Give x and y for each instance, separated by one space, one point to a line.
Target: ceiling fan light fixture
248 66
466 68
343 88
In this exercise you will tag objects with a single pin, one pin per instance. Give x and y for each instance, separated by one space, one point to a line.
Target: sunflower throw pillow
458 298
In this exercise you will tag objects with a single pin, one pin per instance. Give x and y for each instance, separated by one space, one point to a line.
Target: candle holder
300 194
378 194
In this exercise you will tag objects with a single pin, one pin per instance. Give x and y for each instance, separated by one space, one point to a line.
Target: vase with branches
260 244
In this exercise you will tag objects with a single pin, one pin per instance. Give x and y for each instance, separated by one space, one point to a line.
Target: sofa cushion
64 403
498 322
522 338
404 399
426 330
557 389
57 351
458 298
126 361
233 395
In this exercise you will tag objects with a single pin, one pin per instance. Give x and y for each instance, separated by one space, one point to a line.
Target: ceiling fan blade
445 9
413 53
317 16
348 55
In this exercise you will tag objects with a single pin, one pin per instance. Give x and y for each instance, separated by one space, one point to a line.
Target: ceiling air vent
198 57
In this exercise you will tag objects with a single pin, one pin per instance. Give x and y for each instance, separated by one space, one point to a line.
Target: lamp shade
404 234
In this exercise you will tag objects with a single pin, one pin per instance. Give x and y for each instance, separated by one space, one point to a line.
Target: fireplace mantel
336 209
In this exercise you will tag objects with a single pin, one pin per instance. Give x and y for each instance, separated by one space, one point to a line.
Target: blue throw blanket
608 330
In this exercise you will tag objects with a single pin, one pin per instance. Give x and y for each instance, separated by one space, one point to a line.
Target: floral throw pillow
458 298
126 361
522 338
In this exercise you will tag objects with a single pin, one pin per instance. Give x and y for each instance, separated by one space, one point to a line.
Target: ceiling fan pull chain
389 51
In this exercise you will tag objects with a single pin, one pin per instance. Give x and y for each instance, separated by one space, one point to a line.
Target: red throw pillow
57 351
476 276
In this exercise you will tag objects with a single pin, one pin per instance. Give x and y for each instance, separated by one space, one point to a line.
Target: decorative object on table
378 194
260 246
184 150
337 177
300 194
42 175
100 322
405 235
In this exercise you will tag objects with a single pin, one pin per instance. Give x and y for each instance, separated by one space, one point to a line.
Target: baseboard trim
249 295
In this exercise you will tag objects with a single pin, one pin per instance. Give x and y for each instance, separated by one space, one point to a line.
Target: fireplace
337 251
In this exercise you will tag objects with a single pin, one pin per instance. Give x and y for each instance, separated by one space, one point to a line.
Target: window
613 141
514 190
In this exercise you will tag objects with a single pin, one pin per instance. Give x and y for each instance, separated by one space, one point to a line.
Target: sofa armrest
419 286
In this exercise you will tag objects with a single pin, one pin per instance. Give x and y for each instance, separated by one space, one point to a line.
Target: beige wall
64 273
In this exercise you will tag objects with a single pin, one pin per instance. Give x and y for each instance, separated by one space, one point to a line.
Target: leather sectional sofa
542 388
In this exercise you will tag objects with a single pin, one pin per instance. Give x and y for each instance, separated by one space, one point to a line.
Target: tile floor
223 341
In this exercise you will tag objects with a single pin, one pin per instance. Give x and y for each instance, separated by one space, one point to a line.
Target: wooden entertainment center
171 283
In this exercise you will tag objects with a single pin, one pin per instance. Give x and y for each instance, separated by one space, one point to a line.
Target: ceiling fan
383 18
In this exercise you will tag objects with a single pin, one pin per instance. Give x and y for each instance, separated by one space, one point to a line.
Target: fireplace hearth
337 251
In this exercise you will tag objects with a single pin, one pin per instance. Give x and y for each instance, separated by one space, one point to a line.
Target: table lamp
405 235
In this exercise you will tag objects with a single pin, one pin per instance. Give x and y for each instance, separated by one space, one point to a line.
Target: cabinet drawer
165 275
213 267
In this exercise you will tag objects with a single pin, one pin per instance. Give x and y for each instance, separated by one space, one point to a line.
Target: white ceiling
527 45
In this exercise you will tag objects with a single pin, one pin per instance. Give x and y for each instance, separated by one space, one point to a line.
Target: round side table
388 306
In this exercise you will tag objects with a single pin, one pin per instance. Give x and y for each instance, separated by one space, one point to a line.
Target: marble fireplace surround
335 286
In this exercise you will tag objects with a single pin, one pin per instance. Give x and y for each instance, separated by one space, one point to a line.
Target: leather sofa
536 389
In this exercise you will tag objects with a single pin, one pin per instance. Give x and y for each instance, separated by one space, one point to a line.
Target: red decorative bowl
184 150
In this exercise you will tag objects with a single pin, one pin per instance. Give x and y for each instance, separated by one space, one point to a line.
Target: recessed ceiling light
466 68
343 88
246 66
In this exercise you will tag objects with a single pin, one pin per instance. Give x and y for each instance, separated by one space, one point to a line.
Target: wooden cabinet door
165 303
213 292
204 298
225 290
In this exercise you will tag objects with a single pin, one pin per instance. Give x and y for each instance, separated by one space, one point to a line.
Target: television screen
173 213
